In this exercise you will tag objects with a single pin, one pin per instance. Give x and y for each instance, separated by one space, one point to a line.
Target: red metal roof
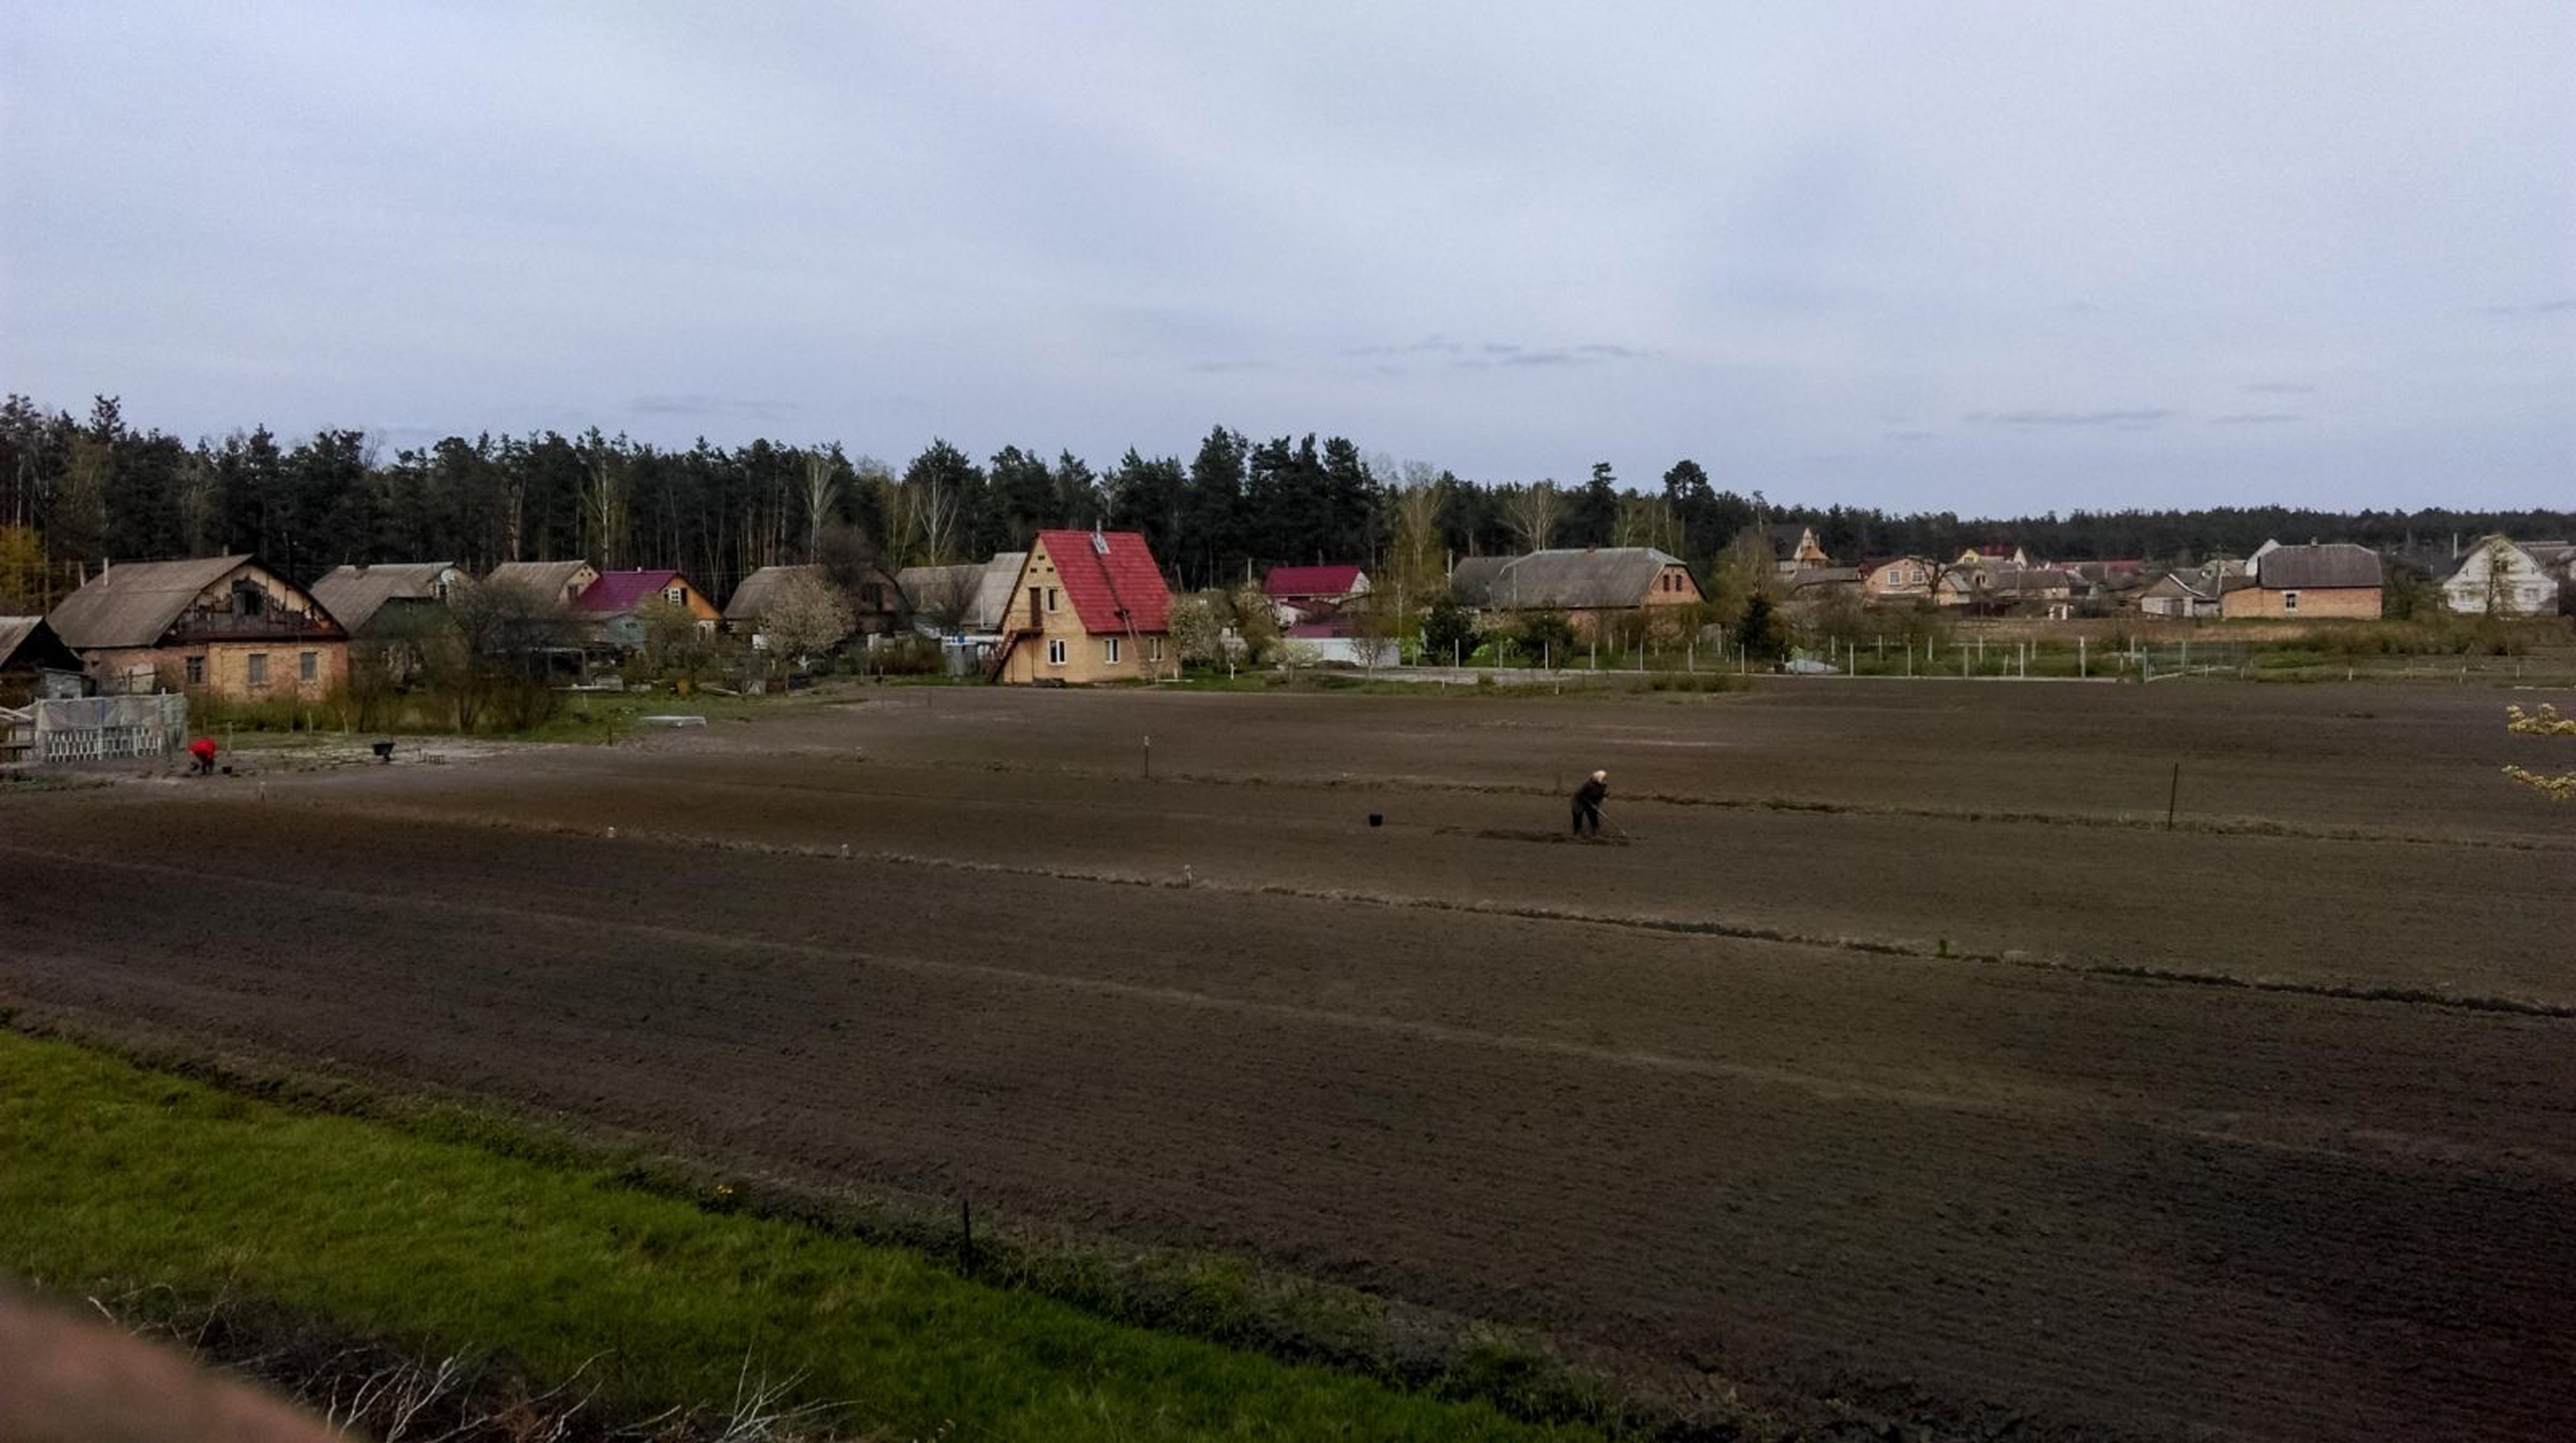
1310 581
1114 589
616 593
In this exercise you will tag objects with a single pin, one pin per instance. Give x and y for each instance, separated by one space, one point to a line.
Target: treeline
73 490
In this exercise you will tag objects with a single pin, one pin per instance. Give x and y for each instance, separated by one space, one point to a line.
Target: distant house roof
26 642
616 593
2033 578
546 578
2337 563
354 594
1591 578
1807 577
1112 580
993 589
134 603
1786 537
1287 581
2173 584
751 599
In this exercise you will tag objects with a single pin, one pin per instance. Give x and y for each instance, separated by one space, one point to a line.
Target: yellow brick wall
2333 603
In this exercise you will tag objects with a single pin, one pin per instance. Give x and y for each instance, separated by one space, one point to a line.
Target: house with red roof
1300 594
608 605
1087 606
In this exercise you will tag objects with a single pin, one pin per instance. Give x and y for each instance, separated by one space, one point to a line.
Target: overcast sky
1927 256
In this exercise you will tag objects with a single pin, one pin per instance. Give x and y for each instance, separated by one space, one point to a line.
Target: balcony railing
267 626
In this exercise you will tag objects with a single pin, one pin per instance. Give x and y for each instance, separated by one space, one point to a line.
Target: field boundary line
2105 821
1910 950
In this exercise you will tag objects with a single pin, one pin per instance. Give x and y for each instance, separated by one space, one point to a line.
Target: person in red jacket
203 749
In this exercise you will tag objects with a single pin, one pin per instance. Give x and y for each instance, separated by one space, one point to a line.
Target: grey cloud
2253 418
1219 368
2562 307
2132 420
695 404
1911 436
2280 388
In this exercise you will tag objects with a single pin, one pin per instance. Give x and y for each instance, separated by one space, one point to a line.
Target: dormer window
675 595
248 599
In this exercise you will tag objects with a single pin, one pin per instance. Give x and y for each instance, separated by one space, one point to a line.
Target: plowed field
1900 1052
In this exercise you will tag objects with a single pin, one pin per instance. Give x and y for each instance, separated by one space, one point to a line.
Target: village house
1087 606
35 664
1593 586
560 582
874 605
2179 596
1301 594
2034 590
1816 583
366 600
2334 580
2499 578
220 626
1794 548
964 600
609 606
1993 556
1903 578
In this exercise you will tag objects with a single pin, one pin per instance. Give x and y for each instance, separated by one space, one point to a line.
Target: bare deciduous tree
1532 512
822 495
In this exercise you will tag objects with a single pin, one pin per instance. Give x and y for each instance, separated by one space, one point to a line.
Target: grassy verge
119 1179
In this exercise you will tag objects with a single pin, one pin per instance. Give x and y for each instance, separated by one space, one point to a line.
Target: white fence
95 728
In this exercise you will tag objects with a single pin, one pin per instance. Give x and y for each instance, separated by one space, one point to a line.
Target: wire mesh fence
103 728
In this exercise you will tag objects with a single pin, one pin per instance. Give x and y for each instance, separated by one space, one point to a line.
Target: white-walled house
2499 578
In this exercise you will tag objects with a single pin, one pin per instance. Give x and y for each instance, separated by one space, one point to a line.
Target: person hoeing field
1587 803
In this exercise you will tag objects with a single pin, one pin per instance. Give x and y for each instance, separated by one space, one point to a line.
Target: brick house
219 626
1901 578
2337 580
1594 586
1087 606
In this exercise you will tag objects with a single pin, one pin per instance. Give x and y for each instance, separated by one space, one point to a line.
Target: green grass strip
112 1177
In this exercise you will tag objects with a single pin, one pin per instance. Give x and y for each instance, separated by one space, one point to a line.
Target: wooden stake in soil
2173 794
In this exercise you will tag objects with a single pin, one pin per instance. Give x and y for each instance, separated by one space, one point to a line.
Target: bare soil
1901 1055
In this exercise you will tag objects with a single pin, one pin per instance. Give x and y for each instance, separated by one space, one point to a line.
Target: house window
1109 650
1154 648
2289 601
196 671
675 594
1055 652
1037 603
259 668
248 599
307 665
1051 596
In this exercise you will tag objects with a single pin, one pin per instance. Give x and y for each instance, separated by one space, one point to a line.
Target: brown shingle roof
2337 563
133 603
354 594
1567 579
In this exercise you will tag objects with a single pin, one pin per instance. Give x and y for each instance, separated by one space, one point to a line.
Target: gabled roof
2337 563
354 594
2173 584
751 599
2033 578
1806 576
1111 578
993 589
26 641
1591 578
616 593
1786 537
546 578
1311 581
135 603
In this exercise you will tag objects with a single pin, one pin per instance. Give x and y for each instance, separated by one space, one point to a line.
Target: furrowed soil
1901 1054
